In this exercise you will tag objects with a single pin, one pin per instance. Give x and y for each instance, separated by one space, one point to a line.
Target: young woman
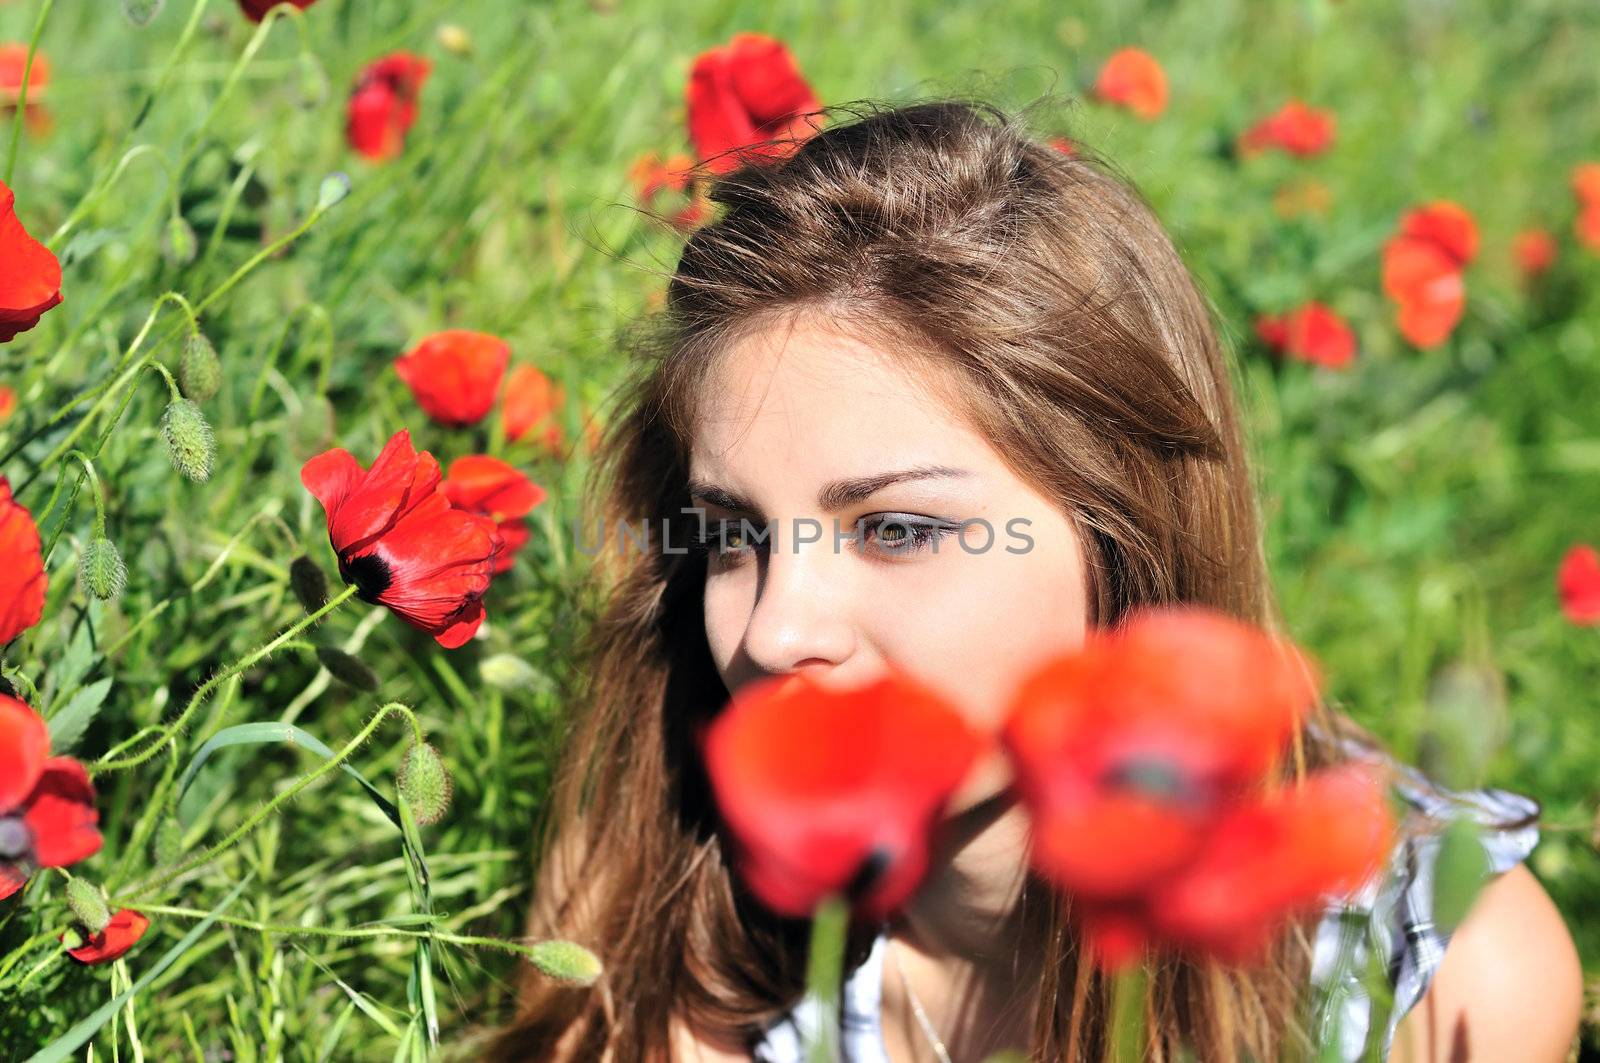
924 324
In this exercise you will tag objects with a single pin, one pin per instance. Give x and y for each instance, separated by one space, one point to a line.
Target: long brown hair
1086 355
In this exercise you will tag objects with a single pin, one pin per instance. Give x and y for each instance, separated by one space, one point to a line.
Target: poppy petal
487 485
61 814
121 934
24 747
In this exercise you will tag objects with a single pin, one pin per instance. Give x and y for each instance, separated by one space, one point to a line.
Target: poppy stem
825 975
1127 1015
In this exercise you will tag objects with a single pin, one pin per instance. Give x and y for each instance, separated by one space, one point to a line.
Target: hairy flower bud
199 369
349 670
308 582
424 782
178 241
190 444
168 847
100 570
88 903
508 672
566 961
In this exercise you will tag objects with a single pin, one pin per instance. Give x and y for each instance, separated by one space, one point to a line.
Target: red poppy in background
1142 756
1063 145
47 812
8 406
1423 267
256 10
1308 196
13 61
1535 252
835 791
748 102
30 275
1295 128
383 105
401 542
1586 186
22 576
121 934
1578 584
455 375
531 400
653 177
1312 333
1132 78
488 486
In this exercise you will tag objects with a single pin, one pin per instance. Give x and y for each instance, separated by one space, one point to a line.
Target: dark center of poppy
15 838
369 572
868 874
1152 777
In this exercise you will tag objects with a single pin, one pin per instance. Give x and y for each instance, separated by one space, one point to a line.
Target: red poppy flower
1312 333
401 542
652 177
1535 252
13 61
455 375
383 105
1446 225
1587 226
8 404
1308 196
1294 128
1063 145
1132 78
1586 183
30 276
531 400
22 576
748 103
47 812
1578 583
1422 270
481 484
1142 756
256 10
835 791
121 934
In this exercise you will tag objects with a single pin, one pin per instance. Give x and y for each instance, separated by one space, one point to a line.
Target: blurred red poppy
1308 196
1578 584
455 375
383 105
1446 225
30 275
1535 252
22 576
1312 333
481 484
8 405
748 103
121 934
1586 186
1132 78
652 177
1063 145
256 10
1423 270
1141 757
1295 128
530 401
13 62
1587 227
401 542
47 812
835 791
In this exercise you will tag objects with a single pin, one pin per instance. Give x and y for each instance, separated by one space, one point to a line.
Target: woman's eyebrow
834 497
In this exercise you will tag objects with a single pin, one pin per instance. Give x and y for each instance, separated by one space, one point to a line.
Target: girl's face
807 431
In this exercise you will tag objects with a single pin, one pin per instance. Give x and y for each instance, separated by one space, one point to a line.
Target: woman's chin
987 786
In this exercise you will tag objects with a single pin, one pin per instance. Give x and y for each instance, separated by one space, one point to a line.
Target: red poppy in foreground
1132 78
488 486
47 812
22 577
383 105
30 275
1142 757
121 934
1578 584
455 375
1423 269
835 791
1535 252
399 540
748 103
1312 333
531 401
256 10
1294 128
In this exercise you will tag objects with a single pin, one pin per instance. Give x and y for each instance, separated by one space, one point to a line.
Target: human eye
901 534
725 541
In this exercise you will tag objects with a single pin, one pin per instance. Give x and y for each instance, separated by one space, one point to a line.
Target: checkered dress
1388 924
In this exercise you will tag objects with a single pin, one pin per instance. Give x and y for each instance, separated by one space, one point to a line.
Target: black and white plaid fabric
1391 918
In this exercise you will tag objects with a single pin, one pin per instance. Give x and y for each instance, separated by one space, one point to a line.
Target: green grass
1417 504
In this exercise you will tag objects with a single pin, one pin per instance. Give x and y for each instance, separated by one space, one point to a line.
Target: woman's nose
801 620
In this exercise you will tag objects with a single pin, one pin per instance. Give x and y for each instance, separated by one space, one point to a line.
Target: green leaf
68 725
1459 872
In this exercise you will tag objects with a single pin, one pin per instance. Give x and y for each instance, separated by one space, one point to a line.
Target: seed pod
88 903
333 189
101 571
349 670
199 369
178 242
142 12
567 962
424 782
190 444
310 585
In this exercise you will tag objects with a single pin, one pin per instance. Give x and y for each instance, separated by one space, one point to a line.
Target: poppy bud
190 443
178 243
142 12
309 584
507 671
199 370
332 191
88 903
566 961
350 670
100 570
424 782
452 38
168 847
